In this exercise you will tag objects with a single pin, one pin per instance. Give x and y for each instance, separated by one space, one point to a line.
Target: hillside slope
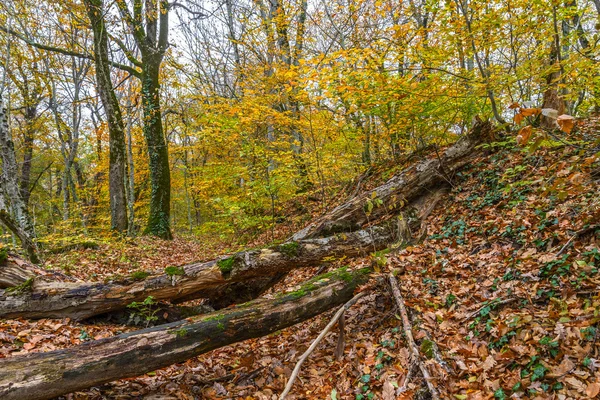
504 284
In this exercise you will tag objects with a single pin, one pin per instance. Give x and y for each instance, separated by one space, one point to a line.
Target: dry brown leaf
592 390
389 392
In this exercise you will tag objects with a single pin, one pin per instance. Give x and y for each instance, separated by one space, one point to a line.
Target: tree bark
46 375
159 223
390 198
116 129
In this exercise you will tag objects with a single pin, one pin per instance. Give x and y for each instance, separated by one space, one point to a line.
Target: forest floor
506 283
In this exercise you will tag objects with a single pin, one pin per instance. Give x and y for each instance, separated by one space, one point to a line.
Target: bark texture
46 375
234 279
391 197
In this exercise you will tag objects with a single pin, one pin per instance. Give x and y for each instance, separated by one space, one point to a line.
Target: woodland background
267 108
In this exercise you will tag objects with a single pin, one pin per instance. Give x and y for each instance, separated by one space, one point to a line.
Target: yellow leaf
528 112
518 118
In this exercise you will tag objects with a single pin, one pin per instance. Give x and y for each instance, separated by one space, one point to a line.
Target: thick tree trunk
225 281
390 198
159 223
14 273
200 280
116 130
46 375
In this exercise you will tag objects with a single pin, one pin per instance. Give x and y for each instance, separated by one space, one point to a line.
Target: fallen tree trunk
82 300
391 197
225 281
46 375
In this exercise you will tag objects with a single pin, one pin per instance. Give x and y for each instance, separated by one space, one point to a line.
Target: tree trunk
239 277
389 198
28 137
46 375
159 223
201 280
116 130
15 216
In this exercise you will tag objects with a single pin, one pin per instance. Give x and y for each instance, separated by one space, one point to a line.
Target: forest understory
500 281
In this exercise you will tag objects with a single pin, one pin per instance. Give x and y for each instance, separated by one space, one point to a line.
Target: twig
488 303
339 350
409 337
404 386
575 236
316 342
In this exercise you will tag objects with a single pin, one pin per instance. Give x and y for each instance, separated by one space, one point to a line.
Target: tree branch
66 52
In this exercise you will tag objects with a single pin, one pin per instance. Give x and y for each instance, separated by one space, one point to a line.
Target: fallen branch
316 342
46 375
407 326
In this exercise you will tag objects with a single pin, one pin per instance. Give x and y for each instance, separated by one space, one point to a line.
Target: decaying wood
47 375
82 300
391 197
316 342
225 281
407 327
13 274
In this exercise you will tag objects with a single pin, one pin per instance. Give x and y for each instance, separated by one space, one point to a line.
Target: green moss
182 332
217 317
290 249
3 255
427 348
24 287
319 281
220 325
139 275
172 271
226 265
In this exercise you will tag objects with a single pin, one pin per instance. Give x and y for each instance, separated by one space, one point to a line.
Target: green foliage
141 275
290 249
144 311
3 255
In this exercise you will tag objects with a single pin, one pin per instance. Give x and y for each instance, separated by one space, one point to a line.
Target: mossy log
47 375
229 280
80 300
399 191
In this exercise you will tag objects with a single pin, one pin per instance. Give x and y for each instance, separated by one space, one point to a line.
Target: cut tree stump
47 375
391 197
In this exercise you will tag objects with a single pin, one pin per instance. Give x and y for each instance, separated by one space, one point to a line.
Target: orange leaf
528 112
566 123
524 135
514 105
592 389
518 118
